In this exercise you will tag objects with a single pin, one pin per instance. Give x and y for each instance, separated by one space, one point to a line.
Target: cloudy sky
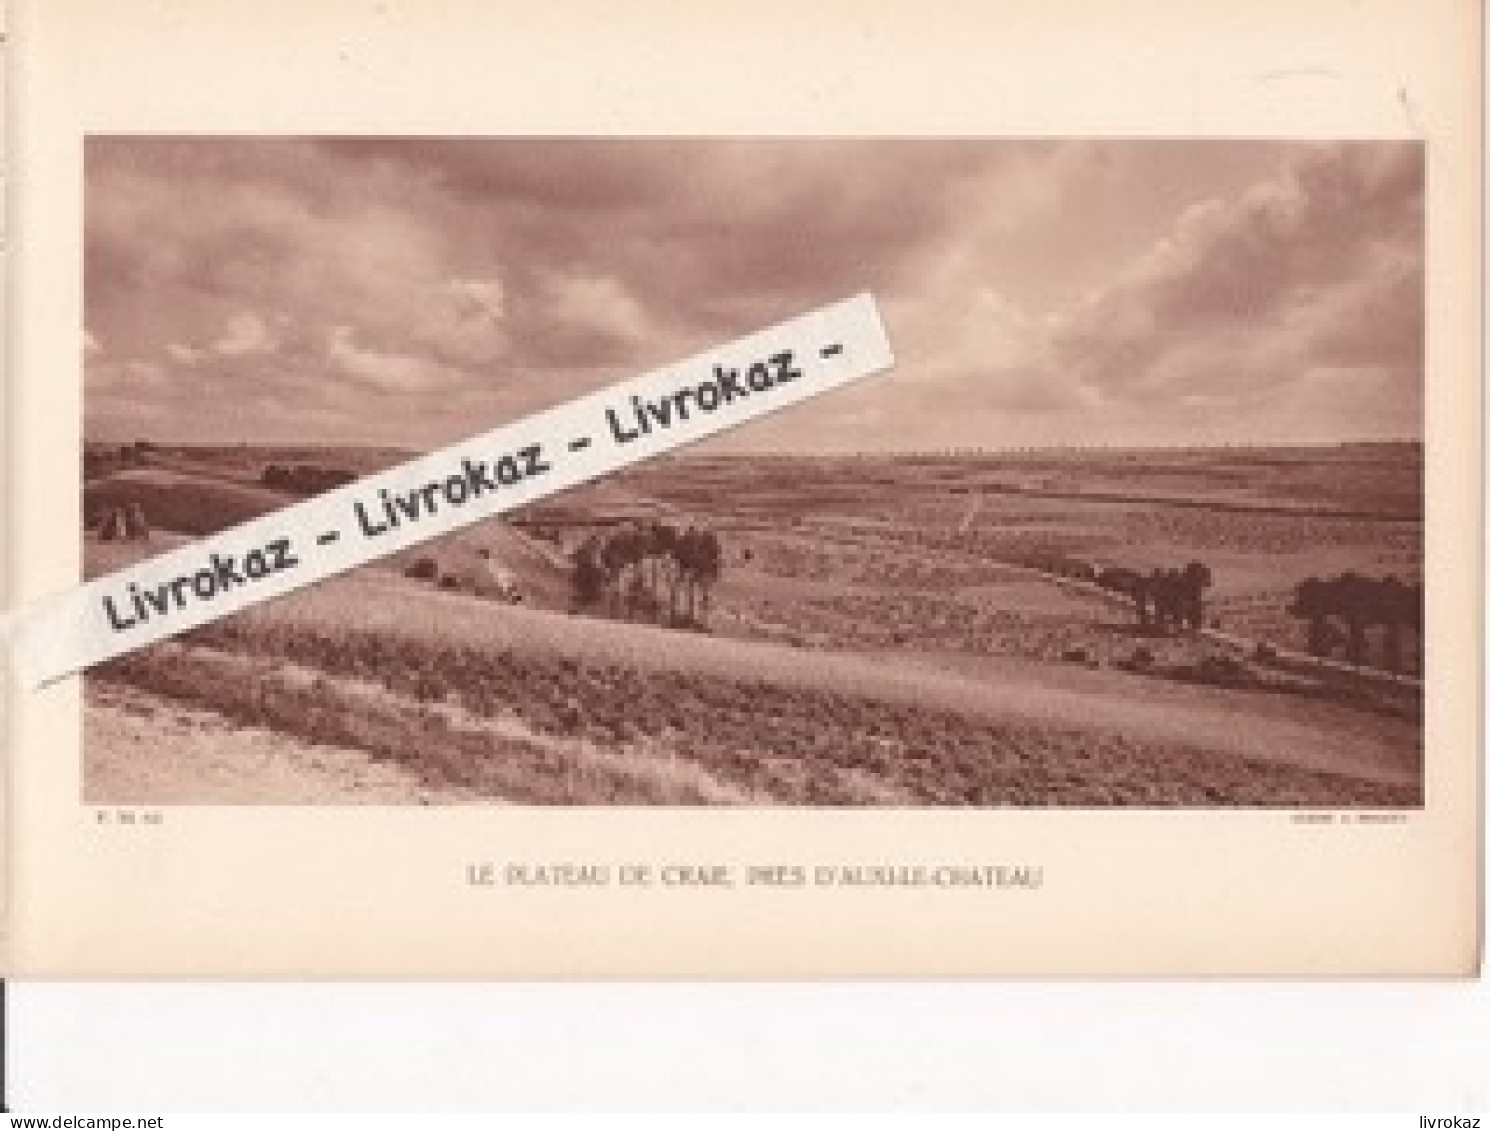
417 291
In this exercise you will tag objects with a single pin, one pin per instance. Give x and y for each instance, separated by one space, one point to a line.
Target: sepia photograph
1136 519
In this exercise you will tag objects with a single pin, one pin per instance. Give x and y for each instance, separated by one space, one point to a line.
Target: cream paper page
240 884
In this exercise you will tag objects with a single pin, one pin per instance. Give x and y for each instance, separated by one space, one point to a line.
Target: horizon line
955 450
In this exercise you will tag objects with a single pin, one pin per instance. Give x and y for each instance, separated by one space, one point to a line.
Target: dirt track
143 749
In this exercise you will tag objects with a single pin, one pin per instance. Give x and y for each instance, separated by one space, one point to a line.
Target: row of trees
1343 609
629 570
1340 610
1163 599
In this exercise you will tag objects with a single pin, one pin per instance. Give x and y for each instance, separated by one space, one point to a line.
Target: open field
902 544
876 637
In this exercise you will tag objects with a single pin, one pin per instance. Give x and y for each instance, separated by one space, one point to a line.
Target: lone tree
1393 612
1412 611
124 523
685 555
1398 608
1195 579
618 552
1165 590
589 576
136 526
1141 590
1313 601
699 561
708 563
1354 600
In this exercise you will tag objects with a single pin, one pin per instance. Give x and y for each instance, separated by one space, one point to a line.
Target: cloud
337 284
1241 317
1322 267
183 354
524 270
988 355
387 372
707 237
587 322
129 377
459 321
245 333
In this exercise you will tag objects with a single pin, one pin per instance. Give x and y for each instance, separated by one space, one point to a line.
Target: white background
1218 1047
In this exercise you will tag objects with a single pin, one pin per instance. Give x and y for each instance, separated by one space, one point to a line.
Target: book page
1119 627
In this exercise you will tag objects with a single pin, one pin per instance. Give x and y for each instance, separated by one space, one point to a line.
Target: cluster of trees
629 570
305 479
1345 608
1163 599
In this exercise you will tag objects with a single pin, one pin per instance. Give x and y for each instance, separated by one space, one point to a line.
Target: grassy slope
771 721
180 504
176 501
